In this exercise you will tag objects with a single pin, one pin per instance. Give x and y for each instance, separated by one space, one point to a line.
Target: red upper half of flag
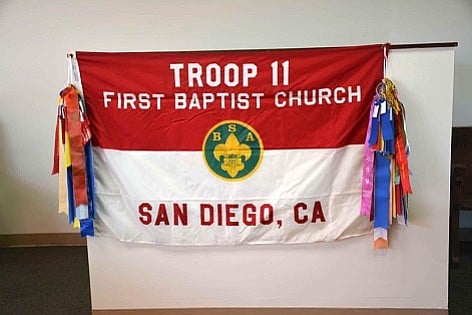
293 98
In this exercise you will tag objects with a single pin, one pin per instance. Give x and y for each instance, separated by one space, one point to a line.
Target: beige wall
36 35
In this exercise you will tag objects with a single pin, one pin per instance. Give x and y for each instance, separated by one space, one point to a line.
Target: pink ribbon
367 172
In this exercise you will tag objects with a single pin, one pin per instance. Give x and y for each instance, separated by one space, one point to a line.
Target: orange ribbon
74 129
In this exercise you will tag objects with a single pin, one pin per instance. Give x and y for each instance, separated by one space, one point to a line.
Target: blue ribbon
70 194
388 132
382 191
90 179
86 227
374 128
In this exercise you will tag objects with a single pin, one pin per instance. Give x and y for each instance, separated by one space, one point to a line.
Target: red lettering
144 210
296 213
236 214
219 216
162 215
230 215
249 214
180 214
317 213
206 209
267 214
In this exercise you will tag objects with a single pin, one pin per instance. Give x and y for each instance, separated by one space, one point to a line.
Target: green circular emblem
232 150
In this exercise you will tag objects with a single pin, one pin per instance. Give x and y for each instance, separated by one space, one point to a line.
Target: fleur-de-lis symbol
232 153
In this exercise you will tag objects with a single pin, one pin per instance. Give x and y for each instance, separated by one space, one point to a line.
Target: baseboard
274 311
43 239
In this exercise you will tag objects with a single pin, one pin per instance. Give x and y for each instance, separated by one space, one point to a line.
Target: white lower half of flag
172 198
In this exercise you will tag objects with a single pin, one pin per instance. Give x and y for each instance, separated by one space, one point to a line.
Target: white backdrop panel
413 273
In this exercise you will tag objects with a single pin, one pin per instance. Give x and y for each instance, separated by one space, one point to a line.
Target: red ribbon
74 129
402 159
55 166
398 200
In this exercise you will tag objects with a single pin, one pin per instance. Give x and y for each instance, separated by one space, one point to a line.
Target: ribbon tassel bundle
386 182
73 161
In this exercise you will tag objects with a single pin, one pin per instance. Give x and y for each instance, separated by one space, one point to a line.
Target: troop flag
229 147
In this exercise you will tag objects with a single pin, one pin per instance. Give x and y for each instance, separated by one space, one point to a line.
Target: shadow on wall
462 96
22 205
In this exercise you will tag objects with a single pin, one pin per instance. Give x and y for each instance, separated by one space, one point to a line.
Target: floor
44 280
55 280
460 282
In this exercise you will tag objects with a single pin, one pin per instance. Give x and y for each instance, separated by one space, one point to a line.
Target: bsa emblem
232 150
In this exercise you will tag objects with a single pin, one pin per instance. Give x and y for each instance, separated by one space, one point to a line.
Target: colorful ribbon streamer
73 161
386 152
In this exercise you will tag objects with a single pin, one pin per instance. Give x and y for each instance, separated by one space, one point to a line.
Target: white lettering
129 99
180 100
231 67
194 74
144 102
176 67
194 102
258 96
106 98
337 98
222 97
243 100
213 75
324 94
279 103
207 98
292 98
249 71
306 100
158 98
351 94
